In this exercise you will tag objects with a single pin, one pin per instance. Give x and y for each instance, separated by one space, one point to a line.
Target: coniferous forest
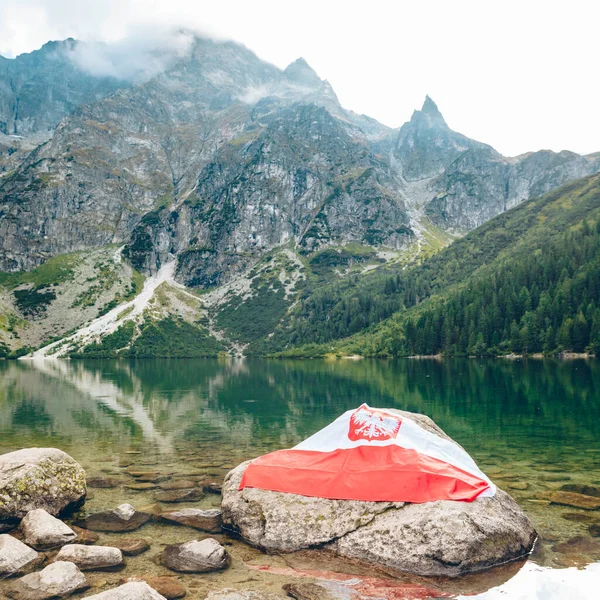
526 282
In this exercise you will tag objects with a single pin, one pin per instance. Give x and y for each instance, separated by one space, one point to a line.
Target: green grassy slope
527 281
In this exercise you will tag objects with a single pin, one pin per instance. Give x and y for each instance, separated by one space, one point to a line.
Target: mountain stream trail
109 322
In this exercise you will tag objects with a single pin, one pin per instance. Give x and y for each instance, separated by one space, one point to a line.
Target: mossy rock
45 478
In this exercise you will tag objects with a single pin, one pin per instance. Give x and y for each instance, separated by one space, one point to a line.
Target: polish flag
373 455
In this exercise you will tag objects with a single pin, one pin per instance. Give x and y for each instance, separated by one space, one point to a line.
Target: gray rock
204 520
42 531
92 558
195 556
135 590
15 556
39 478
442 538
58 580
122 518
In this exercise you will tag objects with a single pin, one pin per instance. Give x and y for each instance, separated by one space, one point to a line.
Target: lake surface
533 426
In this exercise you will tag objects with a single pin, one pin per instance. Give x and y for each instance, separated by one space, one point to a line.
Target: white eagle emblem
373 425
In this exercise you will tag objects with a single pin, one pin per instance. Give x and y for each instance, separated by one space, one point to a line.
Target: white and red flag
374 455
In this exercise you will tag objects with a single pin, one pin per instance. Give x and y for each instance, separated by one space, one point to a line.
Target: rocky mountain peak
301 72
429 116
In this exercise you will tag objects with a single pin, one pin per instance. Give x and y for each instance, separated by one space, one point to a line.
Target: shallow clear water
533 426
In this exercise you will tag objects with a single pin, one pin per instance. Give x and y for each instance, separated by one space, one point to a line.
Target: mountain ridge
222 160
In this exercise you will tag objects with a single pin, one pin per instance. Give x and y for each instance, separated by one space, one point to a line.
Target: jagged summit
429 115
301 72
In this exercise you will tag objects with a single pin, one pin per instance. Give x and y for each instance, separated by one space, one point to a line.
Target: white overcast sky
519 75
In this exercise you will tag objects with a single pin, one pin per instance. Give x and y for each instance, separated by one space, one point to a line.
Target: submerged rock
85 536
183 484
15 556
574 499
169 587
92 558
586 490
309 591
102 482
42 531
134 590
45 478
122 518
229 594
173 496
131 546
204 520
579 544
195 556
443 538
213 488
58 580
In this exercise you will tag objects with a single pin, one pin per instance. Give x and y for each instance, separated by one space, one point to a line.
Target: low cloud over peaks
137 58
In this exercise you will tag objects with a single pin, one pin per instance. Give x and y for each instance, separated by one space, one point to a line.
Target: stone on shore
15 556
442 538
134 590
92 558
204 520
45 478
122 518
58 580
195 556
42 531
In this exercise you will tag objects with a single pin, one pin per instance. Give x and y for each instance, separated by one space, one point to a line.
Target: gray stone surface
195 556
58 580
15 556
45 478
42 531
444 538
123 518
92 558
135 590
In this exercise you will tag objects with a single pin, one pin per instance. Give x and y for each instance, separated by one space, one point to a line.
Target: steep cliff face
482 184
218 160
221 157
38 89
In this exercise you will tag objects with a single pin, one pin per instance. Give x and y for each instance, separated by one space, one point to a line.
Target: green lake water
532 426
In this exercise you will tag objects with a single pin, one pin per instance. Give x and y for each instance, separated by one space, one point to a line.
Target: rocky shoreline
50 546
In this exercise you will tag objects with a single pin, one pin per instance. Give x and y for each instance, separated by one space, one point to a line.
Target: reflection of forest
278 403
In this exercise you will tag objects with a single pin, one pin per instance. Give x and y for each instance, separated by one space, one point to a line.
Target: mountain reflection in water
533 426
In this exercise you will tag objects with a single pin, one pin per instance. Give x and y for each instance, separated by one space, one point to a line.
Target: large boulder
58 580
39 478
443 538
